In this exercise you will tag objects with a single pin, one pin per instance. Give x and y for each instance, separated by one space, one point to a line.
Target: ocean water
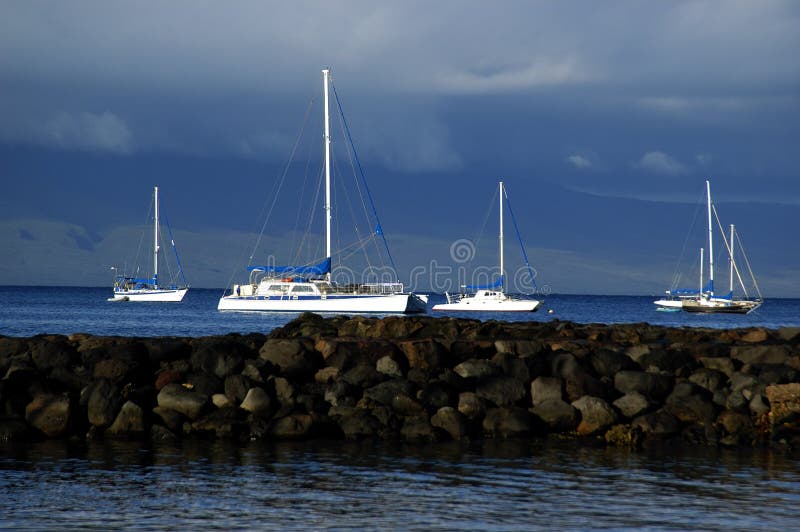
340 486
27 311
322 485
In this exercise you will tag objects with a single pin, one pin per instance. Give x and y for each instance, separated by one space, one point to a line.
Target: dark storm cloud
210 77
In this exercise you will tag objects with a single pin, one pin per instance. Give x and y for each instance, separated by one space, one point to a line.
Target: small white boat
131 288
308 288
490 298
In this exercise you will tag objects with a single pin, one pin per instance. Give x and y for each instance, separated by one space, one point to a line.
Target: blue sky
604 119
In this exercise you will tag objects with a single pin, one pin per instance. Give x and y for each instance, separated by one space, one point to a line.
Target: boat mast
155 240
710 242
731 259
701 272
325 75
502 191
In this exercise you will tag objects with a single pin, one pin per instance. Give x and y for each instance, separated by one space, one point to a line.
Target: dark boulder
558 415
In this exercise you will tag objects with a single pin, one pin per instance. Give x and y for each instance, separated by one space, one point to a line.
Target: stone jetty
414 379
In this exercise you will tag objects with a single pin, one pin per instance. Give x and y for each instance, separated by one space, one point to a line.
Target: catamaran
131 288
703 299
491 297
308 287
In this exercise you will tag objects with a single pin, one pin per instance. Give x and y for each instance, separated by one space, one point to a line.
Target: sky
604 119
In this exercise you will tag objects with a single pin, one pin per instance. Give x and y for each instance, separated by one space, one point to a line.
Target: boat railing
369 288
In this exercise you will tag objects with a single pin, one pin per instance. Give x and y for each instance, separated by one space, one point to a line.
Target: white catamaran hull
382 304
168 296
472 305
669 303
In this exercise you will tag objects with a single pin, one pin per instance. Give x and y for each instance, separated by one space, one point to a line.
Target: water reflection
323 484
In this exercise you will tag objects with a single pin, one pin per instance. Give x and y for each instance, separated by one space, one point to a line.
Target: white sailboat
489 298
308 288
131 288
703 299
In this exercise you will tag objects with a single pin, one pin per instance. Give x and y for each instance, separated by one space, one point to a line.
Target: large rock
451 421
632 405
295 358
596 415
760 354
129 421
103 401
424 354
476 368
546 388
651 385
557 414
257 402
507 422
183 400
50 414
502 391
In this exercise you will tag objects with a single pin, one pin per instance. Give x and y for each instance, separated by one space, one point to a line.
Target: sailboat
491 297
131 288
703 299
309 288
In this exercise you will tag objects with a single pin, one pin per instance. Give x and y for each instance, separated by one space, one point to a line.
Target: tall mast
155 240
710 242
502 191
701 272
325 75
731 258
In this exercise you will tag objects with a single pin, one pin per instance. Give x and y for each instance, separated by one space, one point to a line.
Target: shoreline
417 379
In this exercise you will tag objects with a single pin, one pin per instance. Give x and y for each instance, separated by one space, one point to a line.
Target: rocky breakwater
417 379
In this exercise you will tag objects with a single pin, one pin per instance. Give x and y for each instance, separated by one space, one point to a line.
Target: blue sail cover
496 284
692 291
316 269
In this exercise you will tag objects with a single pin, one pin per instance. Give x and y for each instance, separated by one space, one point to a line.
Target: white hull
669 303
472 305
165 295
381 304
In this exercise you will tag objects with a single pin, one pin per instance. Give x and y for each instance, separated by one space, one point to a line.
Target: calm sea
27 311
531 485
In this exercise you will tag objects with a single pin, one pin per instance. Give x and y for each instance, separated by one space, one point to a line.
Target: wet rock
257 402
476 368
660 424
501 391
129 421
472 406
546 388
596 415
389 366
385 392
223 423
295 358
49 414
103 401
690 403
507 422
171 419
182 400
632 405
236 388
648 384
418 429
559 415
451 421
356 423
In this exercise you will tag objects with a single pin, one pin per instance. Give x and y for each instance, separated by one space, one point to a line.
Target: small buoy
551 311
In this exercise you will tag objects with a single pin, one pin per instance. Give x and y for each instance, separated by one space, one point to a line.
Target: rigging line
138 257
282 180
276 190
747 262
306 174
677 276
174 248
363 178
728 248
363 201
489 211
519 237
305 238
352 211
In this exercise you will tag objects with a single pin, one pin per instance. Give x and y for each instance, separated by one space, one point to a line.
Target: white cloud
85 131
659 162
579 161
